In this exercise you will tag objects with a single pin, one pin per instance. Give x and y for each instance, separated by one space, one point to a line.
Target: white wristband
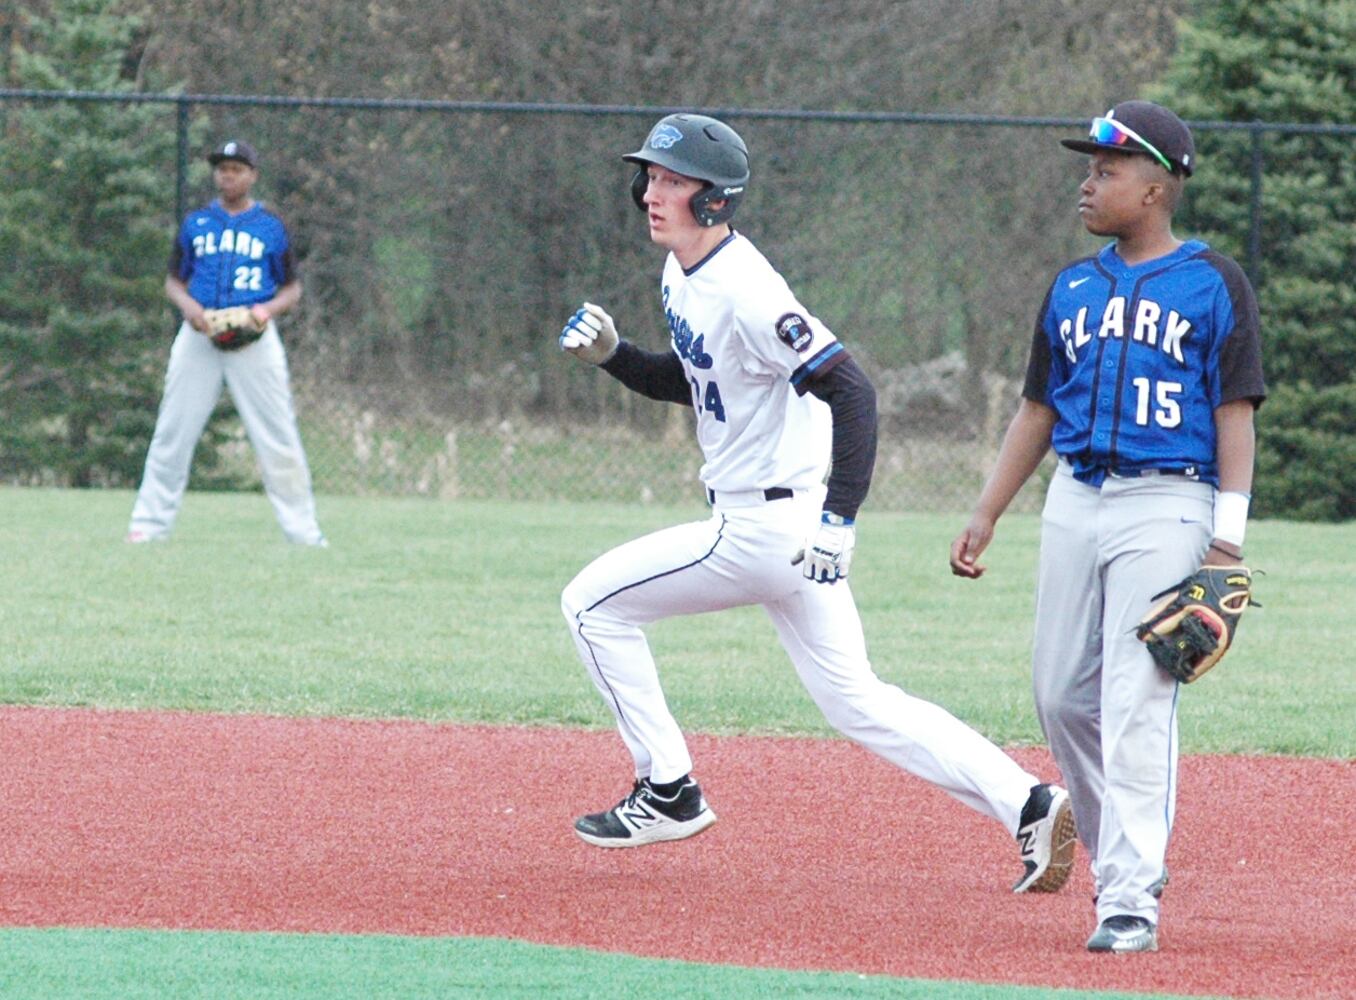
1231 517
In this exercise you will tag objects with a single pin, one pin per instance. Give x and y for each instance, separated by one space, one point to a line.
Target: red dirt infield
824 856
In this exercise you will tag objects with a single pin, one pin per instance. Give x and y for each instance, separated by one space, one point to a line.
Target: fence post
181 167
1255 208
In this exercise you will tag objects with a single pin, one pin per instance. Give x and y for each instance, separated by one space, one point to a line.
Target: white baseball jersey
747 347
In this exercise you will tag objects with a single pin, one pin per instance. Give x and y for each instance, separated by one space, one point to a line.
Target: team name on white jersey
1149 326
240 244
688 345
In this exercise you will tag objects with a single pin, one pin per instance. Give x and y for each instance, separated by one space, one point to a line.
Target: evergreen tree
86 198
1285 61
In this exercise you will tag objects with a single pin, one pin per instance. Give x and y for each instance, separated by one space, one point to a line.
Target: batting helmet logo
702 148
664 136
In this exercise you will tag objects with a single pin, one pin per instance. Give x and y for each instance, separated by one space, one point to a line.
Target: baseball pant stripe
700 574
632 735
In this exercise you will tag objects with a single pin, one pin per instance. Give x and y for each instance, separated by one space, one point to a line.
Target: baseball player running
233 252
1144 374
776 398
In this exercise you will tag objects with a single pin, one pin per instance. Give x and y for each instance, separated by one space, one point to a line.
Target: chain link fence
443 245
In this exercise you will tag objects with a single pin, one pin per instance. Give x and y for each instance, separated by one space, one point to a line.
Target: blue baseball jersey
1134 360
232 260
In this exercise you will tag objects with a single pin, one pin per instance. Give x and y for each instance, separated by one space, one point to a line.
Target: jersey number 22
249 279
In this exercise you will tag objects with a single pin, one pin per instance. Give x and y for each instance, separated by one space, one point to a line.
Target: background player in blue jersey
1144 375
233 252
775 395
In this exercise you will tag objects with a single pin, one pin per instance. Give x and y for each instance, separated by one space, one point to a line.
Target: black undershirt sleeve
852 400
1037 385
655 374
289 268
1240 360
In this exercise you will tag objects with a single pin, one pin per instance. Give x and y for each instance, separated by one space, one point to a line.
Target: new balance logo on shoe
646 817
636 816
1045 840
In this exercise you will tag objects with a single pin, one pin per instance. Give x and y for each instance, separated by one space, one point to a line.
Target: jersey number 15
1168 413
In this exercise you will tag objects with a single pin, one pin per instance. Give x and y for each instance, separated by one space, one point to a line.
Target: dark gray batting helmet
699 147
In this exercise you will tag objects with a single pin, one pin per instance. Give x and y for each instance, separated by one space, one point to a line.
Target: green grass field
449 611
431 610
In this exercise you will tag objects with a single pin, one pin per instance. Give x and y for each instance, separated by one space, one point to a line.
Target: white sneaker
1123 934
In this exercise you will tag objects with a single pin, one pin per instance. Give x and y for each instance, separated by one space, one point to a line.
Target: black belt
774 493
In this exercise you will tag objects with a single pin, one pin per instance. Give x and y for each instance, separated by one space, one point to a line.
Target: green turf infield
62 964
450 611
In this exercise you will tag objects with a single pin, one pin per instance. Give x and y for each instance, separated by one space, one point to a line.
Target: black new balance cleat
1123 934
645 817
1045 836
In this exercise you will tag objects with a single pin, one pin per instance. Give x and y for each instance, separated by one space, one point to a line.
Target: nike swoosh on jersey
1078 281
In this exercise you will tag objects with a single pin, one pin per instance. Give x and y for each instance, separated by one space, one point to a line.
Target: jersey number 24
711 403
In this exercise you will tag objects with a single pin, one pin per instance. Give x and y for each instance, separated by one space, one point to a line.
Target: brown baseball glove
1191 628
233 327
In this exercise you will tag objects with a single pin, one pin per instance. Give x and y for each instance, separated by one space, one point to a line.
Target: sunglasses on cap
1109 132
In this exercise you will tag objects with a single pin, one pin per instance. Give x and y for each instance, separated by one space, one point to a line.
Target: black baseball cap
235 149
1142 127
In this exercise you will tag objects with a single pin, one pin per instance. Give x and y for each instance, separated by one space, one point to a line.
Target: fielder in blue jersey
1144 375
233 252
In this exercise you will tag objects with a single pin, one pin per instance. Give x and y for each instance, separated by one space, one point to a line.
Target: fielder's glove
828 555
1190 629
234 327
590 335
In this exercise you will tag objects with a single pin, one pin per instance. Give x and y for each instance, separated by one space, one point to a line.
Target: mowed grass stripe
450 611
66 964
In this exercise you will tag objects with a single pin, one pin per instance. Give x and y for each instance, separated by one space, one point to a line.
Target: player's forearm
177 292
288 296
657 375
1235 451
1024 445
852 401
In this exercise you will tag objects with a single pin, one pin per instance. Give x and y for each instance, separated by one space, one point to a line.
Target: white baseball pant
741 555
1109 713
258 381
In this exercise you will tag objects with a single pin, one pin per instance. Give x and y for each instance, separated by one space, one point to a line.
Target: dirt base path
824 857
